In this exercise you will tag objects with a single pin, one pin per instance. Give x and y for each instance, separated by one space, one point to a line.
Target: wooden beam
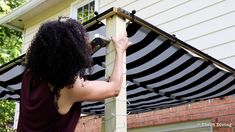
115 108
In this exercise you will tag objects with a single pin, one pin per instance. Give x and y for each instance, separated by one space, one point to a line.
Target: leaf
10 48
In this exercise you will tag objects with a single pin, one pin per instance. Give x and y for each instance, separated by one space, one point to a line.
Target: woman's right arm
99 90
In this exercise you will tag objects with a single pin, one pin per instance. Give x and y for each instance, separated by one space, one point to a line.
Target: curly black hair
60 52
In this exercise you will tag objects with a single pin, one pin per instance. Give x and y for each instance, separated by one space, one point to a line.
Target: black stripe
149 103
170 73
16 61
101 108
159 66
138 94
3 93
14 80
211 85
9 68
195 83
150 37
95 26
92 104
227 94
142 110
10 98
98 60
149 56
183 78
147 99
94 111
3 84
96 75
228 85
132 87
18 91
132 29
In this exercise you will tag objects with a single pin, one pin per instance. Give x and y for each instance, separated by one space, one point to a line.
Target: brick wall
220 111
89 124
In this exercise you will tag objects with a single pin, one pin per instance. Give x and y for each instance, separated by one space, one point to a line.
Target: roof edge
18 12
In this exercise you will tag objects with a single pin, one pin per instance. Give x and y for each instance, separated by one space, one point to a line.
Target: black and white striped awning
162 71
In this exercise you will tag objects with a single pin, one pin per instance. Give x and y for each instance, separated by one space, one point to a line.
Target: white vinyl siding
208 25
31 29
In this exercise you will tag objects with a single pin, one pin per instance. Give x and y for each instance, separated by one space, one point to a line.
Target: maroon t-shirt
38 111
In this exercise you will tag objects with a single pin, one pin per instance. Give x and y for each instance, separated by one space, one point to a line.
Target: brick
226 100
222 130
227 118
200 104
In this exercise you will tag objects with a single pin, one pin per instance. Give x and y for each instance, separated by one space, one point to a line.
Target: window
83 10
86 12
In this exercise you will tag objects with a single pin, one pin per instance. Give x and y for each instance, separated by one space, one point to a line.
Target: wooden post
115 108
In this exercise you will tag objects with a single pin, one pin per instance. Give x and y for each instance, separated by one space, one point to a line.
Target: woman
54 83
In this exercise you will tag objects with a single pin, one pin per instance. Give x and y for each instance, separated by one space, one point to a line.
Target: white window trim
16 116
80 3
176 127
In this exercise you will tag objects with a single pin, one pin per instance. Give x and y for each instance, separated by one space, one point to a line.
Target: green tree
7 109
10 43
10 40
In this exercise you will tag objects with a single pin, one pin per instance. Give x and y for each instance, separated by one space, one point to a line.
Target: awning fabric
160 73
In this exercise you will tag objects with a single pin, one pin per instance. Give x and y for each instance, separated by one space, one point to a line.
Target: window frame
80 3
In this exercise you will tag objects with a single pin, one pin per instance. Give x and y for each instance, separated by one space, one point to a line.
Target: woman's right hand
121 43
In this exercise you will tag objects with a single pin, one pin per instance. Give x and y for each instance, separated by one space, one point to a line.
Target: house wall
32 25
208 25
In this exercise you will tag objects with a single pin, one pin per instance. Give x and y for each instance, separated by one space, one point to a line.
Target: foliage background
10 48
